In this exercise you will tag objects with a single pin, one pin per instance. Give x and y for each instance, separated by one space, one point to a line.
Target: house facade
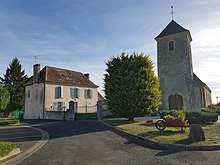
180 87
52 92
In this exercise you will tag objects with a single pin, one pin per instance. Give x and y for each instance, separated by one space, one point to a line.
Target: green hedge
195 117
212 110
86 116
5 122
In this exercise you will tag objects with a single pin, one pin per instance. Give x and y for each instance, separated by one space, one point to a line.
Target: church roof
172 28
200 82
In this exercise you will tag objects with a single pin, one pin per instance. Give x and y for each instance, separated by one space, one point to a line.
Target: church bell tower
174 61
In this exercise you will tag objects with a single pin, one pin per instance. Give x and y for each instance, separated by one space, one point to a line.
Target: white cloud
206 57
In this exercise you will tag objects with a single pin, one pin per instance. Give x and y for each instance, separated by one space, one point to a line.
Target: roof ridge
63 69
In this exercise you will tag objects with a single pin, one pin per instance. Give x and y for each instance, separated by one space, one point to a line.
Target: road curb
158 145
19 158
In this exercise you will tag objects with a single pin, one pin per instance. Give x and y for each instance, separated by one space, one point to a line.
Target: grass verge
8 121
6 148
169 135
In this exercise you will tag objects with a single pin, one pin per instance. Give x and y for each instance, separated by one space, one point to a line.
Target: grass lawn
6 147
8 121
169 135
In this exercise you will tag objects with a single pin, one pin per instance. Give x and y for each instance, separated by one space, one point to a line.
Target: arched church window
171 45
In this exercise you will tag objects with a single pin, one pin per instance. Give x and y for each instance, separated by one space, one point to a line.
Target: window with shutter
74 93
88 93
58 92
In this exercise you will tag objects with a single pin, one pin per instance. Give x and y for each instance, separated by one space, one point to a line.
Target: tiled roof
52 75
171 28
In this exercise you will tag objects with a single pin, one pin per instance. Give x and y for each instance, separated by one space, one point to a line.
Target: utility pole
217 99
36 58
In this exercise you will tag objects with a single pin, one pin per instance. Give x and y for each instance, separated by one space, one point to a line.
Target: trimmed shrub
212 109
86 116
195 117
201 117
131 86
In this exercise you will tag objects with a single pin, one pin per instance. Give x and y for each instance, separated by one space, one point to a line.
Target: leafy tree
4 97
131 86
15 79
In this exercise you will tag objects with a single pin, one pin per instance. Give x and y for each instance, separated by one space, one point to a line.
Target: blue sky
81 35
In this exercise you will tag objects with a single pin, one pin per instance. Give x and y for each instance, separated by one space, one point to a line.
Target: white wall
34 104
82 102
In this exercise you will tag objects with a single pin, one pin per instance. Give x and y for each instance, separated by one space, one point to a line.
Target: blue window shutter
61 92
85 93
56 91
78 92
90 93
75 92
71 93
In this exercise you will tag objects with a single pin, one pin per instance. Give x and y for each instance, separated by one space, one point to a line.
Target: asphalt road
91 143
24 137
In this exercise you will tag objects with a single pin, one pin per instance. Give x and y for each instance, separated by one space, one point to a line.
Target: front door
72 109
175 102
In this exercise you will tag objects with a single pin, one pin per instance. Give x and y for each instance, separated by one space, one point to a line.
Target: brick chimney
86 75
36 73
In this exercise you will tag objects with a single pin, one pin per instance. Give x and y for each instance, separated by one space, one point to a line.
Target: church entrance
175 102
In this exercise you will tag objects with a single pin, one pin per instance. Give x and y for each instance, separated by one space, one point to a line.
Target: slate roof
200 82
53 75
172 28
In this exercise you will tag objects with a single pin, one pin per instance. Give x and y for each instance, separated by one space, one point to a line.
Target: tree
4 97
14 80
131 86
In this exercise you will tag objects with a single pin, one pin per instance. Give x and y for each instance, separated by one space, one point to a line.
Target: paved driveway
90 143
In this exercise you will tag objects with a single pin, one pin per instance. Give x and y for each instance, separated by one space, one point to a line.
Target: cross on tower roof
172 12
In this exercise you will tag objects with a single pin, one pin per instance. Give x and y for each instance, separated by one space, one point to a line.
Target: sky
82 35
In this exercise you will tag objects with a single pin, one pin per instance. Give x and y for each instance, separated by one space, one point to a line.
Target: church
180 87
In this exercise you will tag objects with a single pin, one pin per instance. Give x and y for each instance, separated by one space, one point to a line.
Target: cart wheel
160 125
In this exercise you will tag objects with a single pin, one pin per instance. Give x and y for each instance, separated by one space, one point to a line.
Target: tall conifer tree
14 80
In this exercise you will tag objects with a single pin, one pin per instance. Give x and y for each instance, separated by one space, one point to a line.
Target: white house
51 92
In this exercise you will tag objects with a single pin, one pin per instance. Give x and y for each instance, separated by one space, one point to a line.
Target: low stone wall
102 110
58 115
55 115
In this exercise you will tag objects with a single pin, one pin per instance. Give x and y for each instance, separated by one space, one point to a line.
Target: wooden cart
162 124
